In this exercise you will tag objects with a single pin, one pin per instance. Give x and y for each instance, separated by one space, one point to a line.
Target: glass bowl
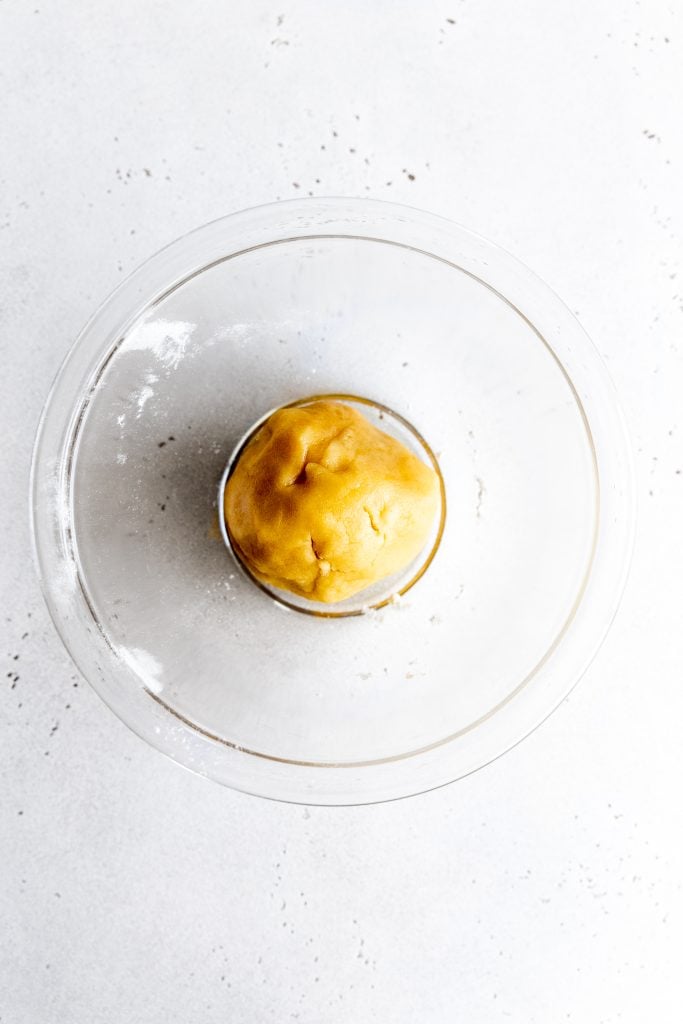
417 315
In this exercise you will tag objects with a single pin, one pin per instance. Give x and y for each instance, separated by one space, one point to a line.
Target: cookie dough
322 503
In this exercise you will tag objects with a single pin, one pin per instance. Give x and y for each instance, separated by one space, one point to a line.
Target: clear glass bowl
261 309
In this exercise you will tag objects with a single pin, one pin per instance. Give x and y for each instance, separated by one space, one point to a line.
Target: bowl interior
301 316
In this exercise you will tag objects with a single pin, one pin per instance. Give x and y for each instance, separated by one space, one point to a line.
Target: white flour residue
167 340
65 581
59 507
142 397
144 665
236 332
64 578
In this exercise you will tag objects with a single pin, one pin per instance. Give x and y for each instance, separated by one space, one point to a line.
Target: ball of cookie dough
322 503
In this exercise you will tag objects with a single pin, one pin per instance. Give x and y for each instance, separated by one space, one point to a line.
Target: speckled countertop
544 888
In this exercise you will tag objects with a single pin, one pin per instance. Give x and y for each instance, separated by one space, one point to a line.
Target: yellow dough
322 503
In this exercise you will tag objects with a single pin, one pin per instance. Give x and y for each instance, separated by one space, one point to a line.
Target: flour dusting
167 340
144 665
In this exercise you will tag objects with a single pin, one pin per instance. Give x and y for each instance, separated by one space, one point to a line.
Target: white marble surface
545 888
